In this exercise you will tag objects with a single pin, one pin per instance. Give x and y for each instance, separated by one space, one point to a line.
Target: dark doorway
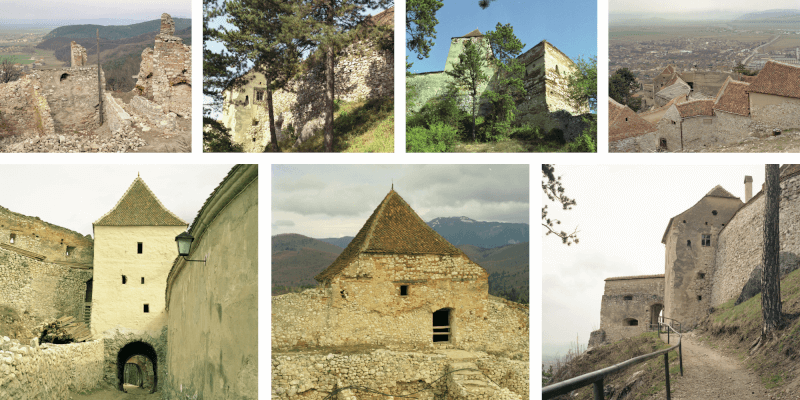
136 349
441 325
655 313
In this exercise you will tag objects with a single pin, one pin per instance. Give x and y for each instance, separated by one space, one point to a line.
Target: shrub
438 139
583 143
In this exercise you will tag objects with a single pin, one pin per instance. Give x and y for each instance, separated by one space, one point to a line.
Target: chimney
748 188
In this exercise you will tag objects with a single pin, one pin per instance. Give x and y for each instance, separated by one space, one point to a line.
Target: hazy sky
324 201
622 213
745 6
141 10
75 196
576 37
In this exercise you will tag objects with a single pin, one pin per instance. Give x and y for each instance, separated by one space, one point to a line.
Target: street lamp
184 242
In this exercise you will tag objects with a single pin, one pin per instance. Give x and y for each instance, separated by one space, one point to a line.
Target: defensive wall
312 376
741 241
775 111
48 371
72 97
52 242
213 305
629 305
24 109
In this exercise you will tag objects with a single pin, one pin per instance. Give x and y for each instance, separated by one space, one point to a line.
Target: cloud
283 223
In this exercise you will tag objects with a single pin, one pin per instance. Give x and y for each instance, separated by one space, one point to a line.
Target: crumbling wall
52 242
115 116
153 112
45 290
72 96
77 55
213 306
740 244
630 298
165 73
699 132
775 111
48 371
731 127
23 109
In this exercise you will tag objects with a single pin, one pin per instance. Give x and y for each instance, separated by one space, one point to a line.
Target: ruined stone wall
741 242
165 73
627 299
153 112
364 306
731 128
115 116
362 71
669 129
690 265
48 371
77 55
636 144
311 376
699 132
775 111
213 306
54 243
24 110
44 290
72 96
707 82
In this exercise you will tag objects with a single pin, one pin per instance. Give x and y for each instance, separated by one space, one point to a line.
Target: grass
364 126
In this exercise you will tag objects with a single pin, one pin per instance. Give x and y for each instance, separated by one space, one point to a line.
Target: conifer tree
509 88
468 74
421 25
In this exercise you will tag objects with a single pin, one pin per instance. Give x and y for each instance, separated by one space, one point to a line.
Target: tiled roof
719 191
623 123
669 70
733 98
139 207
747 78
777 79
675 89
393 228
696 108
474 33
620 278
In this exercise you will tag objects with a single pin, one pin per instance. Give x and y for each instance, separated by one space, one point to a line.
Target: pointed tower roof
474 33
719 191
393 228
139 207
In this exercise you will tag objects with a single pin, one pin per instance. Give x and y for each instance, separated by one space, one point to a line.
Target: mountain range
113 32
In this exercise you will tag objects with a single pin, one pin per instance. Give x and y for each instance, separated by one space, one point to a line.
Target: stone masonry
77 55
630 304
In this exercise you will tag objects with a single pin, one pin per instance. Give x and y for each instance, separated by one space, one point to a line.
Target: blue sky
571 26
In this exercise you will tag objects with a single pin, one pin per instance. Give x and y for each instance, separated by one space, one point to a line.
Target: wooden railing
596 378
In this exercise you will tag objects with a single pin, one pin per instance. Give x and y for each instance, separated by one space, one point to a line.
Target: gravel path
708 374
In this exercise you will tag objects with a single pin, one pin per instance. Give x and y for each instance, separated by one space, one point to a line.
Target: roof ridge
150 192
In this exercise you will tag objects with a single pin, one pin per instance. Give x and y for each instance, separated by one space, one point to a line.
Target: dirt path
708 374
109 393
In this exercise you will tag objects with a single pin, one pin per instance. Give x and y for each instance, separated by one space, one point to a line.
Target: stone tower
77 55
134 251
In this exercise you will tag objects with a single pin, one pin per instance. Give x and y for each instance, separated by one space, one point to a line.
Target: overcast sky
745 6
621 214
75 196
126 10
322 201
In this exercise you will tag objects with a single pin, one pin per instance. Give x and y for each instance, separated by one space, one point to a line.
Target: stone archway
656 311
136 349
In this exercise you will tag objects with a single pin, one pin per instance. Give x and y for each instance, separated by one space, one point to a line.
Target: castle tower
134 251
691 245
77 55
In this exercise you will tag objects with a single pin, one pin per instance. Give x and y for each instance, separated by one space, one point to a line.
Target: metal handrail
596 377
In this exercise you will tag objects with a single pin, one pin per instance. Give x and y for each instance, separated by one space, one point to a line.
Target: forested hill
114 32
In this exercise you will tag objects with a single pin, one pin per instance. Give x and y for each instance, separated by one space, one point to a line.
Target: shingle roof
139 207
719 191
393 228
669 70
696 108
777 79
733 98
747 78
474 33
623 123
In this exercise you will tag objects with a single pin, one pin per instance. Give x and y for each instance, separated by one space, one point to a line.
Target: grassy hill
296 259
113 32
508 268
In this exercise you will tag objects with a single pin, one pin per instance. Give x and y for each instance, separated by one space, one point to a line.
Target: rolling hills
113 32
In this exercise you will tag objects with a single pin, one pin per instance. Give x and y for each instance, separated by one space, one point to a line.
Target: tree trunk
272 133
474 98
329 85
770 277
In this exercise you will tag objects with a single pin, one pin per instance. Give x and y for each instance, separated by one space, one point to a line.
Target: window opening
124 279
441 325
12 238
142 280
139 247
713 212
688 242
404 290
699 298
662 143
64 77
701 275
70 250
147 308
706 240
259 95
632 322
629 297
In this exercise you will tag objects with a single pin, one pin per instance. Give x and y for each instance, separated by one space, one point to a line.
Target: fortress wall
369 310
117 338
72 96
730 127
48 240
23 109
615 309
699 131
116 117
741 242
48 371
45 290
637 144
311 376
775 111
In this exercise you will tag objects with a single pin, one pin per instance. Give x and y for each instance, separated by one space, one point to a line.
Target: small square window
139 247
70 250
706 240
147 308
404 290
12 238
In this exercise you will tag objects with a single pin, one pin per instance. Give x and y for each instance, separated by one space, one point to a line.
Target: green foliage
468 74
484 4
621 87
443 108
583 83
511 89
216 138
587 141
740 68
439 138
421 25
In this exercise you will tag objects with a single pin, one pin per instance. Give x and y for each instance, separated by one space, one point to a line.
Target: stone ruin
58 110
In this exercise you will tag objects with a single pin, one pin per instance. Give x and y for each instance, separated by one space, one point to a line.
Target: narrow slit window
147 308
139 247
124 279
12 238
404 290
142 280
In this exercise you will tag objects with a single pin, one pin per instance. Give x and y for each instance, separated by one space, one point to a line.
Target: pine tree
468 74
510 72
421 25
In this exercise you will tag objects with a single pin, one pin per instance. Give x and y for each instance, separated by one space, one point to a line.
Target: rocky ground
110 393
787 142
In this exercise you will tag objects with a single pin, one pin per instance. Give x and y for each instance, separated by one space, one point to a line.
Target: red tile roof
696 108
747 78
777 79
733 98
669 70
623 123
